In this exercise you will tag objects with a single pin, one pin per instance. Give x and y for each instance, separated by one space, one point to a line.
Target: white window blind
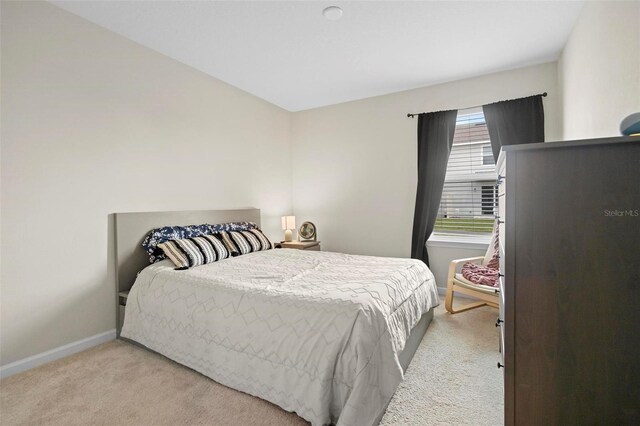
469 196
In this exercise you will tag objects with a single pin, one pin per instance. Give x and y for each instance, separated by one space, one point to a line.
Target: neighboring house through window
469 195
487 155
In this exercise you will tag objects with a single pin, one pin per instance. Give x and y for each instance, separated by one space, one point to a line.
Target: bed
326 335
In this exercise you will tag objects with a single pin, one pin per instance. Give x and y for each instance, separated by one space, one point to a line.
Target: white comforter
317 333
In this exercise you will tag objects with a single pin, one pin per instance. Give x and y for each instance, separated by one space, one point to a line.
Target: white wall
354 164
599 70
93 124
91 120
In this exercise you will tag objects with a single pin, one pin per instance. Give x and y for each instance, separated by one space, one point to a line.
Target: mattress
317 333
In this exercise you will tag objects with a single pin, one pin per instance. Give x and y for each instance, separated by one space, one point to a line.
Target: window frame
489 155
479 176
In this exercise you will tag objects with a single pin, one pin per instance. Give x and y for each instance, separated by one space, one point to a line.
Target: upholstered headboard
130 229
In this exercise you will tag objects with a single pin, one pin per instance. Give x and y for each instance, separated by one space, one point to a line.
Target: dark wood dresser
570 295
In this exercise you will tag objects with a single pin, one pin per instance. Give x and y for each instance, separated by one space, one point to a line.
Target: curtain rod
410 115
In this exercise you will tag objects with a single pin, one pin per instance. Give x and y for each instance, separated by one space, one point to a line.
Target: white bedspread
317 333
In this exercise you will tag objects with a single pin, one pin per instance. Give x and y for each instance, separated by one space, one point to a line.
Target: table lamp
288 223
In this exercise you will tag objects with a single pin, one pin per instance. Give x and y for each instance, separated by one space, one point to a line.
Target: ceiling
287 53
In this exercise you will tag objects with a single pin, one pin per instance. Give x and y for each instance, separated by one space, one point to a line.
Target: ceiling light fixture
332 13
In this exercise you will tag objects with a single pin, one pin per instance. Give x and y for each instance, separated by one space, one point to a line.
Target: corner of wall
599 70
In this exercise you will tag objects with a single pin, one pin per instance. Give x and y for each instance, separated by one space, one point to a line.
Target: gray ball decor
631 125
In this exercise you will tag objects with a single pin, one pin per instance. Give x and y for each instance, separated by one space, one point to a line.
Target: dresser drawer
501 318
501 201
501 185
502 215
501 297
501 344
500 181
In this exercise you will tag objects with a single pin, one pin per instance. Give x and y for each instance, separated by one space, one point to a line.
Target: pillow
479 274
244 242
231 226
491 257
265 244
219 247
226 239
189 252
167 233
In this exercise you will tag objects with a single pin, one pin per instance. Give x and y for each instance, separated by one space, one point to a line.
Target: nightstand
301 245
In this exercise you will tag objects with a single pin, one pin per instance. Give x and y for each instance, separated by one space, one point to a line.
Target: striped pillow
265 244
226 239
248 241
189 252
221 250
167 233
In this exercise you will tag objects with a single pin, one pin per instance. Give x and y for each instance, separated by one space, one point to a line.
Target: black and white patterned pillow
189 252
265 244
219 247
229 244
167 233
249 241
241 242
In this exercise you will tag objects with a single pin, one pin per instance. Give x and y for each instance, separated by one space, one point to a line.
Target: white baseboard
57 353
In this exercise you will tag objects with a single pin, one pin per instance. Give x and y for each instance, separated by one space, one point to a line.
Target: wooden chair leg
467 307
448 301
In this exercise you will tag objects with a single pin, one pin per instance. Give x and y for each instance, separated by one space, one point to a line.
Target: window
488 200
469 195
487 156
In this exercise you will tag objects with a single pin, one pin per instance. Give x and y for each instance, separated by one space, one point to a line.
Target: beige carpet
452 380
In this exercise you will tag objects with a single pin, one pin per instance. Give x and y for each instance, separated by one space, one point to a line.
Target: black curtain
514 122
435 136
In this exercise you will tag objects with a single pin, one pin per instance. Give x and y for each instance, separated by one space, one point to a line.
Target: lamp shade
288 222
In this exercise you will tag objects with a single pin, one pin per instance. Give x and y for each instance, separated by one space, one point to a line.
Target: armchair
456 283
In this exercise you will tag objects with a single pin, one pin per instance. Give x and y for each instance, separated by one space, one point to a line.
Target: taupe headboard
130 229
